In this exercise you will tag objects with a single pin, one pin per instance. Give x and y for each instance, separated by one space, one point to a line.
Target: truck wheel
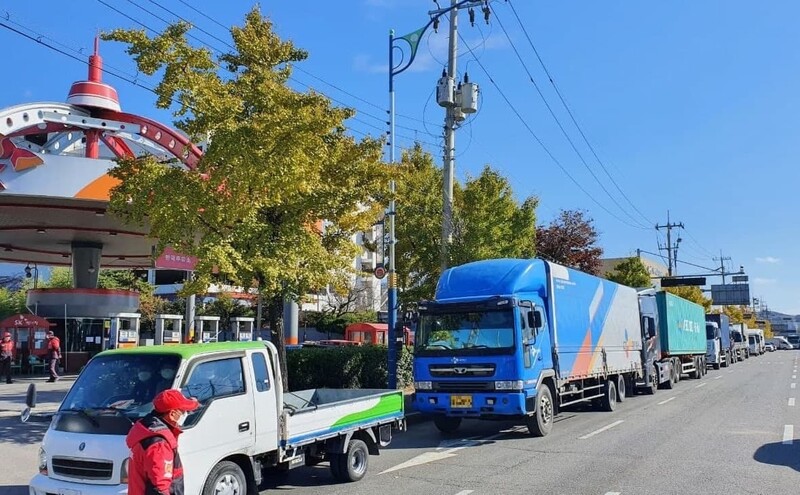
622 388
352 465
698 368
541 421
716 366
727 360
226 477
446 424
654 382
677 367
670 383
609 400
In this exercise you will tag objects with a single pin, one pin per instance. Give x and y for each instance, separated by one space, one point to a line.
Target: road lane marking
701 385
791 401
465 492
717 378
665 401
793 385
613 493
788 434
794 377
601 430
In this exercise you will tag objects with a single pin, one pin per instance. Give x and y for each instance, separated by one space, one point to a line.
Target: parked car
769 347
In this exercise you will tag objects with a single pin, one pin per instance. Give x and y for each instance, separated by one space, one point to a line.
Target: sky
690 106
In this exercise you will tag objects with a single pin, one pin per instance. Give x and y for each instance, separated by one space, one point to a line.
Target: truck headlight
423 385
42 461
123 474
508 385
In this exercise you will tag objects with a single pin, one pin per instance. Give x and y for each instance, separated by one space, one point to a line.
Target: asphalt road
732 432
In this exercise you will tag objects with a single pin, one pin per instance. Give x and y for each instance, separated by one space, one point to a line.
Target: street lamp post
412 39
35 274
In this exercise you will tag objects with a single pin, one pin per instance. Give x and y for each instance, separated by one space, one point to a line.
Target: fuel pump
242 328
207 327
169 329
123 331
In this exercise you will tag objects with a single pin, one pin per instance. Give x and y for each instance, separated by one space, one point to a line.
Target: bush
346 367
330 323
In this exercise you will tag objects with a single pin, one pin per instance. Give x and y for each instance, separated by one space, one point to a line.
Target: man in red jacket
54 353
6 355
155 466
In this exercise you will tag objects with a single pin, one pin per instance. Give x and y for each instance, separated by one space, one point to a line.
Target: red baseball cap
172 399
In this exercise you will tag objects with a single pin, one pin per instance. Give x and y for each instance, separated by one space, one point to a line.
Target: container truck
516 339
719 352
246 421
677 346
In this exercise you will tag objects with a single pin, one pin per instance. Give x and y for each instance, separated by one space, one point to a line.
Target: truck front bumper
42 485
472 405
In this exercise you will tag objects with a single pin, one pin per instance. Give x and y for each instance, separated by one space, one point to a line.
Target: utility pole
670 257
449 139
722 259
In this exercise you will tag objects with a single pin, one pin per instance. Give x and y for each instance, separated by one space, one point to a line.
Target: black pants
5 368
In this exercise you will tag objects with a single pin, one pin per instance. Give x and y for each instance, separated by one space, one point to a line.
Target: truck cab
246 421
714 352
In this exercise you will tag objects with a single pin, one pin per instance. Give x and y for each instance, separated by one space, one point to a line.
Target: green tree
631 272
278 163
12 302
488 223
419 225
693 294
60 278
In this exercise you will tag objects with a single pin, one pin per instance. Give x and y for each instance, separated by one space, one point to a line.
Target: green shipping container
681 324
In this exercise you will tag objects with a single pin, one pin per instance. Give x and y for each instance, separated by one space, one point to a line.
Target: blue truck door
536 349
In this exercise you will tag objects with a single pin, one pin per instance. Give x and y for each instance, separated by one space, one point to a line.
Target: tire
727 361
226 477
677 366
446 424
622 388
352 465
609 400
670 384
704 367
540 423
651 389
716 366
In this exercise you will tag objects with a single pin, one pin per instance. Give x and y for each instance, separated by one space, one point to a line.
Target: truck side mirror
535 319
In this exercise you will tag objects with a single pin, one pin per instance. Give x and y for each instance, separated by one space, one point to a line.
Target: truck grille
439 370
463 386
82 469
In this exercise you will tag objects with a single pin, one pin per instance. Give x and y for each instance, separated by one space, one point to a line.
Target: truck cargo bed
682 325
315 414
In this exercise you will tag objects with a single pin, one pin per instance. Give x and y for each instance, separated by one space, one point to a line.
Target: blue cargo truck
518 339
719 346
675 339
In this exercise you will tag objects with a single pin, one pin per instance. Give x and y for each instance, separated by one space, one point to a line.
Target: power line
571 115
561 126
542 145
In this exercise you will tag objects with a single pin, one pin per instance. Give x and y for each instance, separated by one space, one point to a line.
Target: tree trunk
275 311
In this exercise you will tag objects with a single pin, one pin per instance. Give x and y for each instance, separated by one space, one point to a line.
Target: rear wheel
622 388
727 360
609 400
653 385
698 371
541 421
446 424
670 383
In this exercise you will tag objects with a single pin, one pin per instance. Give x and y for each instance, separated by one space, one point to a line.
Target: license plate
461 401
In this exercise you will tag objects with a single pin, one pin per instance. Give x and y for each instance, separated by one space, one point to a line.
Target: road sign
379 272
730 294
680 282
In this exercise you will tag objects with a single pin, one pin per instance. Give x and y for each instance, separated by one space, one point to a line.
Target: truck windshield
122 384
466 330
710 332
793 339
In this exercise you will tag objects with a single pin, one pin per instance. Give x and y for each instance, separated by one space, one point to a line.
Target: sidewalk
48 395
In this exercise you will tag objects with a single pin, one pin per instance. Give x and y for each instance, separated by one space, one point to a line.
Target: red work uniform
6 355
155 464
